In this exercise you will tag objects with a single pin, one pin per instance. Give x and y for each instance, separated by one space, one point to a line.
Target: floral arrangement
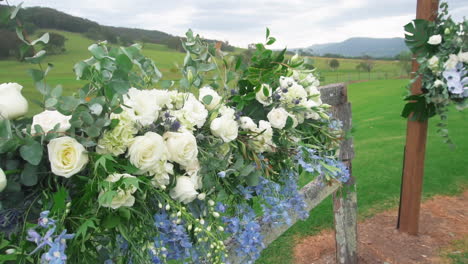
441 49
135 169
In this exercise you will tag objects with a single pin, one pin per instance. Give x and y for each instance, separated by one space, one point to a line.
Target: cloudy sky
295 23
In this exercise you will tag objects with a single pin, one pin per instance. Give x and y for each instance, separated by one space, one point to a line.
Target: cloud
295 23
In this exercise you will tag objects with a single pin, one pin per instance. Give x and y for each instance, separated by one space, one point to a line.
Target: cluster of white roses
156 130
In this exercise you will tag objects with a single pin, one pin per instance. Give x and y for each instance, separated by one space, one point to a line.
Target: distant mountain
355 47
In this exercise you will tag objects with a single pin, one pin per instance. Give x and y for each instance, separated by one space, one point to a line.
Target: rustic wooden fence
344 195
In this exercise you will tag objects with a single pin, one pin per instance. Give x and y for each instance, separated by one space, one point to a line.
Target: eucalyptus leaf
29 175
32 152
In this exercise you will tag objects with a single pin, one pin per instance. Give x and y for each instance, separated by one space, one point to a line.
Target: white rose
292 94
264 140
286 82
435 40
124 196
433 63
161 175
216 99
3 180
227 111
148 153
194 113
184 191
225 127
278 117
163 98
12 102
451 63
247 123
438 83
182 147
67 156
47 120
463 56
261 97
143 106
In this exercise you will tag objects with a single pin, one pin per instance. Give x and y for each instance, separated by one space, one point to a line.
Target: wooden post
415 149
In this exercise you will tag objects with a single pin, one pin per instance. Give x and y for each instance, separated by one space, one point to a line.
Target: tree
404 61
334 64
56 43
366 65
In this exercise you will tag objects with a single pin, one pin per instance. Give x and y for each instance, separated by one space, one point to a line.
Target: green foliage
417 109
334 64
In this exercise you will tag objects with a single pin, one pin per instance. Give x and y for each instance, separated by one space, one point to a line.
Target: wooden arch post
415 149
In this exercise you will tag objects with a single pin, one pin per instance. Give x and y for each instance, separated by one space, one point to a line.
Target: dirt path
443 219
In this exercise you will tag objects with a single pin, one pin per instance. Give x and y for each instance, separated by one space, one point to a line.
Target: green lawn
379 136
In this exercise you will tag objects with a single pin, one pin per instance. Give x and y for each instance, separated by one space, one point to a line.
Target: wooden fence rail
344 196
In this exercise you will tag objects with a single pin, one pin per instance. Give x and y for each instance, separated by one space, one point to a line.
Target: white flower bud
211 202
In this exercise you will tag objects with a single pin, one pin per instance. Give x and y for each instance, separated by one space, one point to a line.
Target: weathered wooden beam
345 212
415 149
334 94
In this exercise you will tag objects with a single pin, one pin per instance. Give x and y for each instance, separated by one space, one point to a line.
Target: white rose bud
447 31
67 156
261 97
247 123
184 191
438 83
216 99
201 196
433 63
225 127
12 102
48 119
10 251
463 57
216 214
3 180
182 147
435 40
278 117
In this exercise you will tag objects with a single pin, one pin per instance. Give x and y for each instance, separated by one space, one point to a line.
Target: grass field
379 135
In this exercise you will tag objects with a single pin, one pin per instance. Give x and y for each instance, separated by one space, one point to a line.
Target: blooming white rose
67 156
143 106
438 83
433 63
225 127
182 147
216 99
12 102
163 98
48 119
261 97
313 91
278 117
463 56
161 176
451 63
435 40
184 191
148 153
3 180
293 95
247 123
193 113
227 111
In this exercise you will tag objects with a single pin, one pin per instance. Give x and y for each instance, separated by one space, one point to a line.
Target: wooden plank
334 94
345 215
314 193
343 113
415 149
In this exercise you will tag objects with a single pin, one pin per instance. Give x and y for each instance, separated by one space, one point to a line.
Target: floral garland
441 49
141 174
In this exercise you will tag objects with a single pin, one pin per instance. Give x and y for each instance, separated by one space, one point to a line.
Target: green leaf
83 229
15 11
80 69
120 86
51 102
57 91
124 63
37 58
417 109
111 221
32 152
271 40
36 75
417 35
97 51
289 123
267 33
44 39
4 15
124 213
247 170
59 198
207 99
254 178
29 175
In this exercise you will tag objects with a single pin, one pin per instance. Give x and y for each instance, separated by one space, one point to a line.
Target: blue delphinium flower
324 166
172 237
56 244
246 233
